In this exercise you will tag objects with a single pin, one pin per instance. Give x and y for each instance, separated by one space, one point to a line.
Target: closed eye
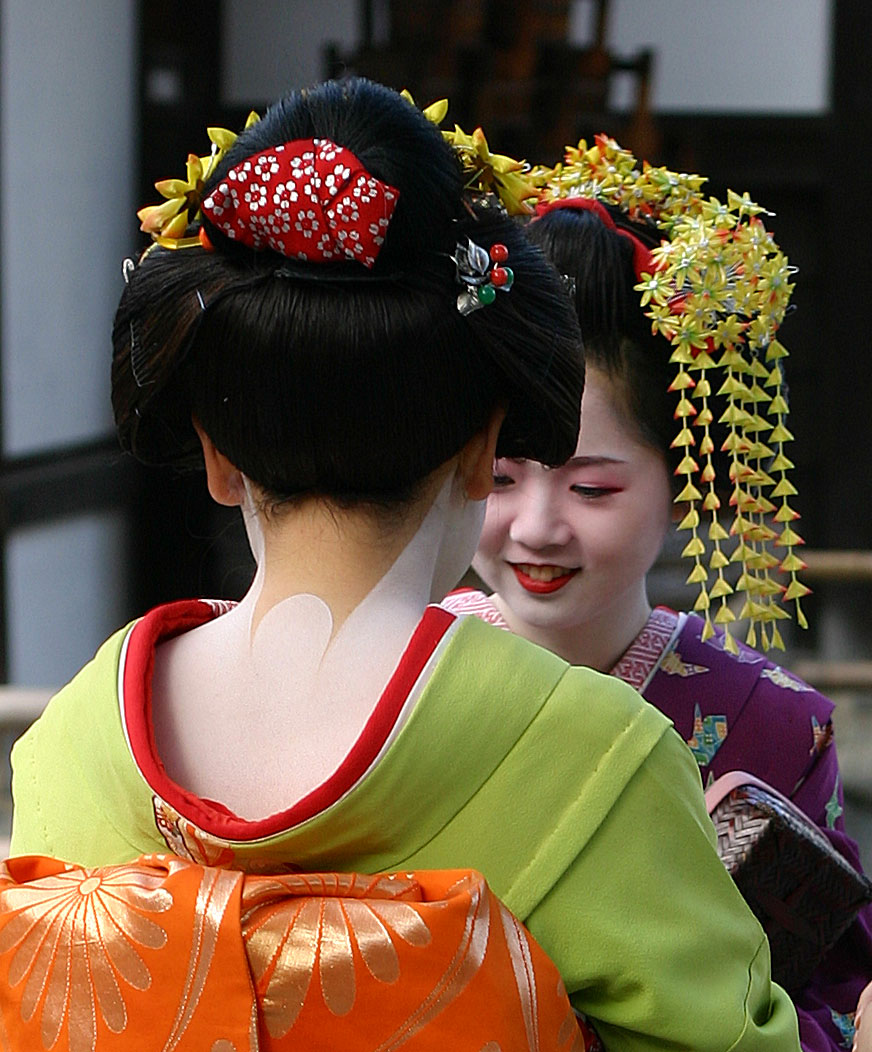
503 480
592 492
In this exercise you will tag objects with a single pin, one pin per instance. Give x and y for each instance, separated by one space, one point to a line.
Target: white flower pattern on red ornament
280 199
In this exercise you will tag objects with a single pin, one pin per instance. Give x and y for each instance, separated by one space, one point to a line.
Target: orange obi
164 954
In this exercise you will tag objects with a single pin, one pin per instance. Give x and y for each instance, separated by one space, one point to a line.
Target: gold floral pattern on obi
291 940
215 892
165 955
76 940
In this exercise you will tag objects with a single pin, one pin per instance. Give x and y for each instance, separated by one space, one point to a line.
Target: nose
538 524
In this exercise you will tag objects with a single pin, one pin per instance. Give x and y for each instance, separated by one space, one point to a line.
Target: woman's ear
226 485
476 463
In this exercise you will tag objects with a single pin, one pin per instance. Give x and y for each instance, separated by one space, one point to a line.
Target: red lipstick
542 587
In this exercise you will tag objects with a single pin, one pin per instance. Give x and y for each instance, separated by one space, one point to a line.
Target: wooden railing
838 565
843 567
20 706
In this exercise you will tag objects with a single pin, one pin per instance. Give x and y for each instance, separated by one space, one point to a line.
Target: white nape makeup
274 716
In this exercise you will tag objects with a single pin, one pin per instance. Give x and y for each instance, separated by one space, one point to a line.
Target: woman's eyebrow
584 462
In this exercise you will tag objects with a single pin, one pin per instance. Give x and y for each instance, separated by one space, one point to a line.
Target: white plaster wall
67 150
724 56
66 211
64 583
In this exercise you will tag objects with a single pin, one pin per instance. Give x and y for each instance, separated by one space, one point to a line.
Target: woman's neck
356 558
598 644
306 655
336 554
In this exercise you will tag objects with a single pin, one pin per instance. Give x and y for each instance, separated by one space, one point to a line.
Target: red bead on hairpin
481 274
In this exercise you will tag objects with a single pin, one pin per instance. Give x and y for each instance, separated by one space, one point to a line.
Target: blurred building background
99 98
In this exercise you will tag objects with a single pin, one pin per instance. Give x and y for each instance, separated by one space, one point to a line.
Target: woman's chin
545 612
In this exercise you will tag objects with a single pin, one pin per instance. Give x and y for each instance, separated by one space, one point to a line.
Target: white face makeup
569 548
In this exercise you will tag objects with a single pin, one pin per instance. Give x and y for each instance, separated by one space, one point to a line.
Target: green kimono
575 798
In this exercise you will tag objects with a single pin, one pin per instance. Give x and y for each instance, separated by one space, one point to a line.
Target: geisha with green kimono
345 337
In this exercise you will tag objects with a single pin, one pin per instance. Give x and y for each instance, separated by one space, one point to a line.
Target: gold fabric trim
216 889
525 979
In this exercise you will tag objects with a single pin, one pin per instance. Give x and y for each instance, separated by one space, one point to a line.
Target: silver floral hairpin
481 273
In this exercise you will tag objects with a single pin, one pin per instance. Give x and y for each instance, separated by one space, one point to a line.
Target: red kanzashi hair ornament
307 199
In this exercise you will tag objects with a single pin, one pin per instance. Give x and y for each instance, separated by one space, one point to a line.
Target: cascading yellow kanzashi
717 290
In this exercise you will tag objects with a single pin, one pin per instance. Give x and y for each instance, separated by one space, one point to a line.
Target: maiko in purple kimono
742 712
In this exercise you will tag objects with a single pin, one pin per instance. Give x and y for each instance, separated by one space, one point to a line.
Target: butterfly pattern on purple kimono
742 712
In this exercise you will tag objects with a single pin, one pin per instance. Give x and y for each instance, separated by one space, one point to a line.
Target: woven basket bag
803 892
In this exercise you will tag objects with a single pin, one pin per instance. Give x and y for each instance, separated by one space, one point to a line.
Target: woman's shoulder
74 780
598 688
99 684
595 707
739 709
94 686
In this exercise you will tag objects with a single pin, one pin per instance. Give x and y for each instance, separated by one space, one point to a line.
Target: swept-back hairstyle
331 379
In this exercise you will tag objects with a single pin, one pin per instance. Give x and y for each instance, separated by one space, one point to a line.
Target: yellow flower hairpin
485 172
167 222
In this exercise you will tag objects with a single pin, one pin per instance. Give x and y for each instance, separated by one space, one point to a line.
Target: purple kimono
742 712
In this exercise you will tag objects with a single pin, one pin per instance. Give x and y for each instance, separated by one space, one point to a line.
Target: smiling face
567 550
